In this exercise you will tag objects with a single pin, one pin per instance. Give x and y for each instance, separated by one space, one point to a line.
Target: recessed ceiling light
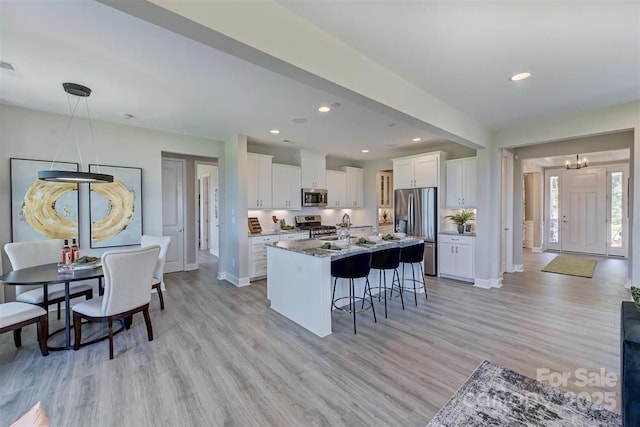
417 139
520 76
274 131
365 151
335 105
126 116
288 141
324 109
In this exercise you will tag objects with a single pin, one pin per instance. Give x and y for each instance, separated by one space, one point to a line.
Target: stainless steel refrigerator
415 214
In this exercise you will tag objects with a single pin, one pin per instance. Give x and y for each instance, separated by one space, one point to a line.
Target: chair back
413 253
352 267
29 254
127 278
162 241
386 259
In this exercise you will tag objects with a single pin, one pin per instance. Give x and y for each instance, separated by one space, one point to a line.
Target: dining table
46 275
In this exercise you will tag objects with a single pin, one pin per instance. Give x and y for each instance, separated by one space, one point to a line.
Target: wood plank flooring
221 357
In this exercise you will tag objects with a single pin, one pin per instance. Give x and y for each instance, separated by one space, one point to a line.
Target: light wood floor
222 357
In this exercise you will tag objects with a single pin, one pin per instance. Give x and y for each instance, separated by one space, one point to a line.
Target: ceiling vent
6 66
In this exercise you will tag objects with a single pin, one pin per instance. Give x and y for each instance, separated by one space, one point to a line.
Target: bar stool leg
424 283
352 302
384 274
413 275
373 308
396 274
333 297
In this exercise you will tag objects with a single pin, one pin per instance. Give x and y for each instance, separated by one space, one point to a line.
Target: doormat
572 266
497 396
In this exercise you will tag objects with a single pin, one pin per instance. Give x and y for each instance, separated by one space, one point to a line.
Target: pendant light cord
66 129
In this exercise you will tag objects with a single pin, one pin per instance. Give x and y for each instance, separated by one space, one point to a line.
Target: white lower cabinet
456 257
258 251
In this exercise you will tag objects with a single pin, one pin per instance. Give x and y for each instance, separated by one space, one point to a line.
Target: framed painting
115 209
39 209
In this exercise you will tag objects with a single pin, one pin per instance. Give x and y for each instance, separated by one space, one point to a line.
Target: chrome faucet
346 221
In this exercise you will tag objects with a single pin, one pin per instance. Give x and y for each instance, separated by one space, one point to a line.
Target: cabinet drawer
460 240
261 240
259 268
259 256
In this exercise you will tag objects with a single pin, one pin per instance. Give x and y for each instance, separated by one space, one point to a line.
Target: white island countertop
299 282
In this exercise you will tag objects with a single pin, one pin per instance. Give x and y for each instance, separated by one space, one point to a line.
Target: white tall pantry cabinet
259 181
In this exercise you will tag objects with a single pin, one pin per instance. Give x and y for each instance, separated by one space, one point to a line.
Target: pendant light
52 175
580 163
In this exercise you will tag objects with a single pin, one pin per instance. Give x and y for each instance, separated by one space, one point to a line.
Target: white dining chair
158 274
30 254
127 277
15 315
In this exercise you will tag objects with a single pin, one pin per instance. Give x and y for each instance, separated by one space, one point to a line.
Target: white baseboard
518 268
537 249
488 283
191 267
234 280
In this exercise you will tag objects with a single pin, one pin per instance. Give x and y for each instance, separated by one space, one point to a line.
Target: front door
584 210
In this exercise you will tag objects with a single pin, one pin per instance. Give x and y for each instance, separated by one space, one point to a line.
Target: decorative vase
461 228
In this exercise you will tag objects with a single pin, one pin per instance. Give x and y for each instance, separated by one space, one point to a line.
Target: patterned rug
496 396
572 266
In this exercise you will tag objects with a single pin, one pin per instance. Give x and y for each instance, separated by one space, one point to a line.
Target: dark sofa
630 364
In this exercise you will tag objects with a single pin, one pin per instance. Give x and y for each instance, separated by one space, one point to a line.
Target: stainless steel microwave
314 197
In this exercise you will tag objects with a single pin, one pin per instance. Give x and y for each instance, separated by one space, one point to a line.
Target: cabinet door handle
456 249
451 249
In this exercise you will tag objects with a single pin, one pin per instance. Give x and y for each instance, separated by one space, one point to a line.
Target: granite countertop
313 247
273 232
455 233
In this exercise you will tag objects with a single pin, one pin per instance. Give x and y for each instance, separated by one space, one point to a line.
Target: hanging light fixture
580 163
52 175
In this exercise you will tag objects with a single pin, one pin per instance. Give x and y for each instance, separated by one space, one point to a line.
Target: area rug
572 266
496 396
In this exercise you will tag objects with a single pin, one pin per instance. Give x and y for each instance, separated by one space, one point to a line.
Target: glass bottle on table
66 253
74 250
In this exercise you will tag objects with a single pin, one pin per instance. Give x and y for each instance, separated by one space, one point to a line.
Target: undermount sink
329 238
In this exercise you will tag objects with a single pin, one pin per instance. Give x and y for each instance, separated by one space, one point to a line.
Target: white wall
37 135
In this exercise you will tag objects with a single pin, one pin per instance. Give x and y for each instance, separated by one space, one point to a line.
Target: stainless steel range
313 223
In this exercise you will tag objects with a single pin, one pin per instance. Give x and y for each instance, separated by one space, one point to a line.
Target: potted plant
461 218
385 216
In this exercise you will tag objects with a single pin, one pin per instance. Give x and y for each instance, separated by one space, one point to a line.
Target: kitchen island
299 283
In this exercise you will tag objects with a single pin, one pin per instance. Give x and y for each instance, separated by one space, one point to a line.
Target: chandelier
52 175
580 163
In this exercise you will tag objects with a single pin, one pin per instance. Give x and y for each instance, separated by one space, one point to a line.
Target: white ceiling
462 52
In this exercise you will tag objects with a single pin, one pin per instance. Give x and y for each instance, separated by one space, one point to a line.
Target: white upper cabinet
417 171
259 181
355 184
286 187
313 169
336 189
461 176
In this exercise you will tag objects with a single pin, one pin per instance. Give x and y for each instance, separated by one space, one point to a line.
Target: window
616 210
554 209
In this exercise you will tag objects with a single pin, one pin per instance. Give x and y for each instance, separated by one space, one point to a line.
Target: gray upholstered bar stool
384 260
353 267
413 255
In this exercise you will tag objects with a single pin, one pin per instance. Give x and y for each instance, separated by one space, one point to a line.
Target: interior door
204 211
584 210
213 214
173 212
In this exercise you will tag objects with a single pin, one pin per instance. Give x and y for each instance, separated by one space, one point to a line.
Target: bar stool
414 254
353 267
387 259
